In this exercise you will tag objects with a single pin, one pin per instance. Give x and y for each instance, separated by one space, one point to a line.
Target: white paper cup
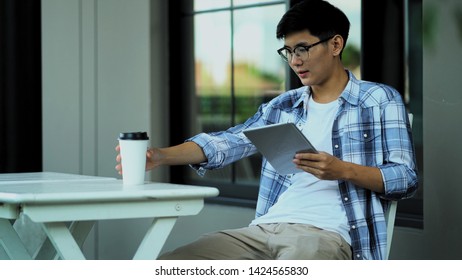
133 147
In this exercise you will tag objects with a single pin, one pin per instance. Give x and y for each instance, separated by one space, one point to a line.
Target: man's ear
338 44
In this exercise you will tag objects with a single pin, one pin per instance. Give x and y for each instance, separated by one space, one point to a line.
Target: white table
54 199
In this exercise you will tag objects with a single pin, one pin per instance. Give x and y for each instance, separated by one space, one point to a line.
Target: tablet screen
279 143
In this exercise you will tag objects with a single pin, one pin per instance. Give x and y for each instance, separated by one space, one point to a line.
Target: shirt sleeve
399 171
225 147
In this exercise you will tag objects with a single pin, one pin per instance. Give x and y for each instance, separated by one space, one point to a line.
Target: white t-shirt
310 200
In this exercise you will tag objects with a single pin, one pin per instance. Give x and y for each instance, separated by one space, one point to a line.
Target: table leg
13 247
155 238
80 231
63 241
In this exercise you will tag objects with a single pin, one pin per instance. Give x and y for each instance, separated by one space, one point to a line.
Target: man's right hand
150 159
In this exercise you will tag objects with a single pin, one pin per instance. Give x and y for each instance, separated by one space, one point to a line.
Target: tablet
279 143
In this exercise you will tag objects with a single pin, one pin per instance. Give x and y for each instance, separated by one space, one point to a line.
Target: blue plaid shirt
371 128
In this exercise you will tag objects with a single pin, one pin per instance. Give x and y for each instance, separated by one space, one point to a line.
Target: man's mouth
302 74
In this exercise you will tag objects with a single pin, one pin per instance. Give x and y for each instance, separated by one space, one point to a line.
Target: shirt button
346 198
353 227
358 256
336 146
365 135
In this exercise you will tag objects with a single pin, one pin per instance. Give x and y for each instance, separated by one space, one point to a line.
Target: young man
335 208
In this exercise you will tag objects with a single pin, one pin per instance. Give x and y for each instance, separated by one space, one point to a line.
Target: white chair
391 213
390 219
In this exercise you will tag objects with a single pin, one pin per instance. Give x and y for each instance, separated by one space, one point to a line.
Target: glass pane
201 5
259 72
212 51
351 54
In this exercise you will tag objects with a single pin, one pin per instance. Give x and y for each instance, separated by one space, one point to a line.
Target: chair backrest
391 213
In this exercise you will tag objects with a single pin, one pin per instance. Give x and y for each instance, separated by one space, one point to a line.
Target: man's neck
332 88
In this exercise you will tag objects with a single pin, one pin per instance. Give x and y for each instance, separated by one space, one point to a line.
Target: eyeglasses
301 52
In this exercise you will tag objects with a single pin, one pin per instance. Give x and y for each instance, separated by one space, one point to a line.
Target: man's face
310 64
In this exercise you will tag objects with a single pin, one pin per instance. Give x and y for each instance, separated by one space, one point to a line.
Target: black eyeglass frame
307 48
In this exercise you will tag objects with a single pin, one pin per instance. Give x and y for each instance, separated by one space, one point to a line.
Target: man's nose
295 60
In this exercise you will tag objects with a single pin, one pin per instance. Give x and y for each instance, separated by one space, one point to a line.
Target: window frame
234 192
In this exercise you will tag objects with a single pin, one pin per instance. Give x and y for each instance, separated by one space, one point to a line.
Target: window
236 68
230 47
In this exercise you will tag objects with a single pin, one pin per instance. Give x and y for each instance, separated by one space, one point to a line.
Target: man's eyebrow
297 45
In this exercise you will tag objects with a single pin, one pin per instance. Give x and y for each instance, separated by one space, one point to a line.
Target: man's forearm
185 153
364 176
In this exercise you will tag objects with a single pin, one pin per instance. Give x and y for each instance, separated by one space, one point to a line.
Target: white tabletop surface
9 178
57 187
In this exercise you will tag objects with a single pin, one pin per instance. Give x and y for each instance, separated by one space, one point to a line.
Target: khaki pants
266 242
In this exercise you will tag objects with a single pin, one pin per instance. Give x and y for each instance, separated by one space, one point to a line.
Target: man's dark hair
319 17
